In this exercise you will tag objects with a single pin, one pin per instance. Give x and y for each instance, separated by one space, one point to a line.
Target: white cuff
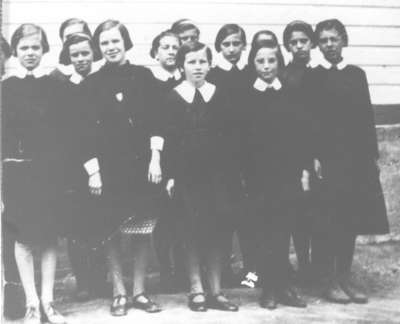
92 166
156 143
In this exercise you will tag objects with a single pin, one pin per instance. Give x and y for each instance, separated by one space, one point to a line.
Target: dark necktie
29 77
235 69
198 98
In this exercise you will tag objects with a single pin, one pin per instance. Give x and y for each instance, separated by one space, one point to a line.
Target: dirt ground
376 266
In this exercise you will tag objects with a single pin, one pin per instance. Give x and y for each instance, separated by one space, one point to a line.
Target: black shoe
353 292
119 306
335 294
220 302
148 306
197 306
289 297
268 300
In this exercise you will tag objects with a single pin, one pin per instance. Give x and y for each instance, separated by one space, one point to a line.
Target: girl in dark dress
118 157
167 76
277 151
346 146
195 161
87 262
298 39
33 167
231 75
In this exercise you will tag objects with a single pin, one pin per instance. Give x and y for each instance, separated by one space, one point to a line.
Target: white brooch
119 96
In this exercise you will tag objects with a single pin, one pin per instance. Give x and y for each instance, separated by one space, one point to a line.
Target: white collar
261 85
76 78
327 65
20 72
163 75
225 65
187 91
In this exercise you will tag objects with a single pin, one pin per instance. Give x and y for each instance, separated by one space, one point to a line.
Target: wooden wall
373 26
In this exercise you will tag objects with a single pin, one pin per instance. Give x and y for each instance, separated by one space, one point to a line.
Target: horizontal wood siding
373 26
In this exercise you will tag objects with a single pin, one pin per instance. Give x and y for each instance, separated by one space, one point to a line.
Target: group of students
205 147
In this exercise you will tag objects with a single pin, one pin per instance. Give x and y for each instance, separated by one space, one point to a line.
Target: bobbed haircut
76 38
26 30
183 25
266 32
330 24
227 30
109 24
265 44
191 47
157 40
74 21
4 47
298 25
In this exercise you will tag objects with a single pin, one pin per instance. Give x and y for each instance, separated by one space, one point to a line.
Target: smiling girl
123 157
33 168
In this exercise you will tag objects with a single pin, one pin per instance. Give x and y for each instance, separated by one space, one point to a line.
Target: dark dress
31 132
122 122
345 142
195 159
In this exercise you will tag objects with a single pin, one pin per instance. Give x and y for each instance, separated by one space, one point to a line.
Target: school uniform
196 158
233 79
87 262
166 238
278 152
32 158
119 140
345 143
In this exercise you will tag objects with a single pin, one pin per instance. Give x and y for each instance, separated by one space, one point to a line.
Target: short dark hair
265 44
156 41
109 24
298 25
191 47
74 21
27 30
267 32
183 25
76 38
227 30
332 24
4 47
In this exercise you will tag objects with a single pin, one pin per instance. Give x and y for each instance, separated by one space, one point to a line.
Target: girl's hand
155 175
170 187
1 207
318 168
95 184
305 180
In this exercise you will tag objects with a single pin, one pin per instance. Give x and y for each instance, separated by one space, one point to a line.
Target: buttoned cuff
156 143
92 166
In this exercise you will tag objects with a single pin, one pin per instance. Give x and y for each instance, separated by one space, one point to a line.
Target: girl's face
331 44
196 67
72 29
300 46
112 46
81 55
29 51
166 52
266 64
189 36
232 47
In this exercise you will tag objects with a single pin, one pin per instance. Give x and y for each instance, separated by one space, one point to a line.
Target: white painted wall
373 26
